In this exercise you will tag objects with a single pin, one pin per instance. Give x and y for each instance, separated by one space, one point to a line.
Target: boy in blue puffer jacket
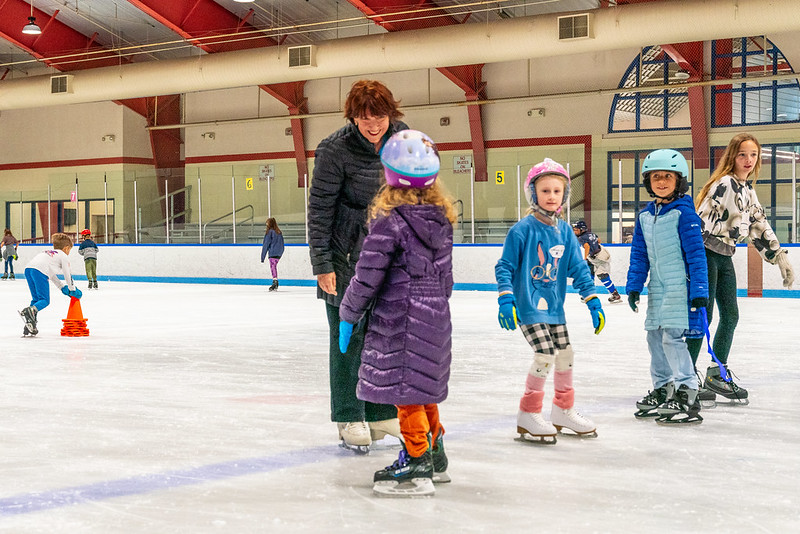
668 244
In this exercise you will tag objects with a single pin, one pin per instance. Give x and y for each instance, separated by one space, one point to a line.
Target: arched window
755 102
659 109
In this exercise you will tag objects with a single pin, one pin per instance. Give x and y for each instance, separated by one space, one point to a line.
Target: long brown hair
272 224
727 163
371 97
389 197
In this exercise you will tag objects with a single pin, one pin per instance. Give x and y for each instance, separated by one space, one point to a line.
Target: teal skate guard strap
723 373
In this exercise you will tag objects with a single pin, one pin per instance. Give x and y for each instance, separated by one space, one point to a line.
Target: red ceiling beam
58 40
401 15
213 28
689 56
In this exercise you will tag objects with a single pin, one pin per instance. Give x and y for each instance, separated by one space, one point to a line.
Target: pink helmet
548 166
410 159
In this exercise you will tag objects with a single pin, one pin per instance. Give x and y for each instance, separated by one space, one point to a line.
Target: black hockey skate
682 409
650 403
29 316
439 459
406 477
729 390
274 286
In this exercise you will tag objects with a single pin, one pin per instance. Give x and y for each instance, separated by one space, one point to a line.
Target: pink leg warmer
531 401
565 395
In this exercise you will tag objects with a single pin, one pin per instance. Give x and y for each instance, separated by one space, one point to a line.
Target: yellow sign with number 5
499 177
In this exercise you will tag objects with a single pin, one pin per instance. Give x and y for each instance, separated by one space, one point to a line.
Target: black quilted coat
347 174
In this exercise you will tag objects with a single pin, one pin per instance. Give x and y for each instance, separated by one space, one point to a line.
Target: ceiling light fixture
31 28
244 1
682 74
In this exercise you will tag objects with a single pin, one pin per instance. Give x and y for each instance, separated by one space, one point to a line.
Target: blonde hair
727 163
61 241
389 197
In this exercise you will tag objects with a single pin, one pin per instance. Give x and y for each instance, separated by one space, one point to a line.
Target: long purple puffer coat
405 275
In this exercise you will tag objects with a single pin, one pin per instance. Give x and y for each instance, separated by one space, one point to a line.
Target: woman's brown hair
727 163
370 97
389 197
272 224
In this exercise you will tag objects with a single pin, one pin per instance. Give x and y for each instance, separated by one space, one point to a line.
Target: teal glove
507 316
598 317
76 293
65 290
345 332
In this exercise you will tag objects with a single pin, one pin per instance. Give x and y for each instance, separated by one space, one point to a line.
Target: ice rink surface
205 408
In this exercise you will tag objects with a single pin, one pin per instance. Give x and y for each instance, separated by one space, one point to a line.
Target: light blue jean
670 360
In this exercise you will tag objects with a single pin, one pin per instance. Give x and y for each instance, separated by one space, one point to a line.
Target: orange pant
416 421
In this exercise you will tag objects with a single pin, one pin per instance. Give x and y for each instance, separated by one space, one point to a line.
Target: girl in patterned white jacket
731 214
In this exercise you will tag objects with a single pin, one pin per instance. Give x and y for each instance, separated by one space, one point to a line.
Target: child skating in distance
272 247
668 245
539 254
9 248
48 264
88 249
597 257
731 213
402 285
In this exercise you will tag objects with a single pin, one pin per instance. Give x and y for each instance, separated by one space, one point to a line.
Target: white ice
205 408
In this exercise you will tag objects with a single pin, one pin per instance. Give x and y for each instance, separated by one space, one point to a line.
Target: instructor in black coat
347 175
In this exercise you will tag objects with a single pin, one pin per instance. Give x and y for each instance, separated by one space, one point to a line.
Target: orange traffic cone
75 323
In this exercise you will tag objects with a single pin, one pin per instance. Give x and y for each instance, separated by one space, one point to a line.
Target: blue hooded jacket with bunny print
537 259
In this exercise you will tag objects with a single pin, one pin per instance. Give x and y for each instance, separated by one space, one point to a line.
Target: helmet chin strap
550 215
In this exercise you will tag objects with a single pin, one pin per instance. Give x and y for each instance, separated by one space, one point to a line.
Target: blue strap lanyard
723 372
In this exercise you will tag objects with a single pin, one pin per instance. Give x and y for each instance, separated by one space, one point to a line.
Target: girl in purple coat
403 281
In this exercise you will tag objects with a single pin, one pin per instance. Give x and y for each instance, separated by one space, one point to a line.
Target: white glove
786 269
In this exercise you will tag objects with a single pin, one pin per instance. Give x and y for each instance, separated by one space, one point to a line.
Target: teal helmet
667 159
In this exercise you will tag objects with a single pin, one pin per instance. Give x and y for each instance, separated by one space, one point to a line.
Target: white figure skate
571 419
533 427
380 429
355 436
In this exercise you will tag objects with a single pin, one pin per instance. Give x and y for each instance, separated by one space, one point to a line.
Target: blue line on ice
99 491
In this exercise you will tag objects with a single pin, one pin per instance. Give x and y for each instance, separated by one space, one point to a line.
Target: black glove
633 300
699 302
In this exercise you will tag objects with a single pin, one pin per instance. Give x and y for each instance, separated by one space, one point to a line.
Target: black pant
343 368
722 288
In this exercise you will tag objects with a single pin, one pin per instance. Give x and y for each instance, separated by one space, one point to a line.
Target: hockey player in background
597 257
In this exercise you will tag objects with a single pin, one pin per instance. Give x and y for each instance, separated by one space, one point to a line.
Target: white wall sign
266 172
462 164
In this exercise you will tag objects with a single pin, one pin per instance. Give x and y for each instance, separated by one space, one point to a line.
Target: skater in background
44 265
403 282
9 250
597 258
731 214
88 249
272 247
667 244
539 254
347 175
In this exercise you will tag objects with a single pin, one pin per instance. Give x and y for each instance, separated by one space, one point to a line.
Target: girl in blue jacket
539 254
272 247
668 244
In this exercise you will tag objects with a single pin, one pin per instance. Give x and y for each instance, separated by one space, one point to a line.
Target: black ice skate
682 408
439 459
274 285
29 316
648 405
729 390
406 477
